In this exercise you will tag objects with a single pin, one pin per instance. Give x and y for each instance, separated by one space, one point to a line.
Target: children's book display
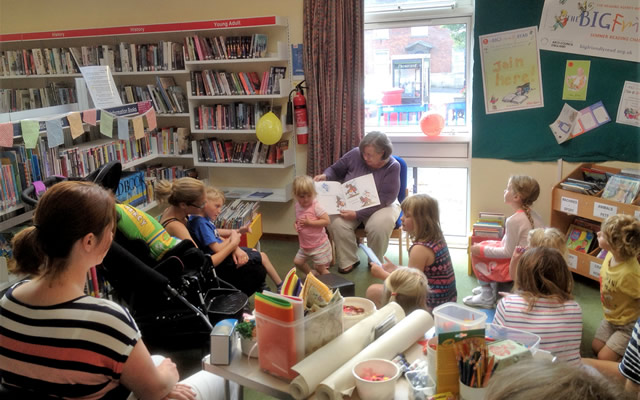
237 214
621 188
579 238
356 194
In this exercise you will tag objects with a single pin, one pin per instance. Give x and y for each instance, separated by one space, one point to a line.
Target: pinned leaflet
571 123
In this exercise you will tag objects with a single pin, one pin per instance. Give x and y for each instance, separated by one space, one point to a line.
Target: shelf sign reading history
569 205
603 211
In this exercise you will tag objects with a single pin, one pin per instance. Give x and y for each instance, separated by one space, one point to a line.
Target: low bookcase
566 205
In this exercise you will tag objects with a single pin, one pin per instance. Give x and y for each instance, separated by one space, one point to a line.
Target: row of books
54 61
489 225
20 167
171 140
199 48
622 187
12 100
221 83
230 115
228 151
237 214
132 57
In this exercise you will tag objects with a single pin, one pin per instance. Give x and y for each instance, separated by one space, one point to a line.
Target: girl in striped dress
543 304
429 252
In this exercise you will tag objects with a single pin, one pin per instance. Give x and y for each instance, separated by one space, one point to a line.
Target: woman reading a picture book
372 156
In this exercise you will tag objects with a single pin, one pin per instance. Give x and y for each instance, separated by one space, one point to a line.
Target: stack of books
622 188
489 225
237 214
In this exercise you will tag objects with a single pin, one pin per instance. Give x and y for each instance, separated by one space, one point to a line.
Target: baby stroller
174 300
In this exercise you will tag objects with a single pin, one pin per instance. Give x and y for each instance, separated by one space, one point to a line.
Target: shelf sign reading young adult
606 29
511 70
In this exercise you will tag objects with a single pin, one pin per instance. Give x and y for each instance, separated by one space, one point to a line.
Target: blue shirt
204 232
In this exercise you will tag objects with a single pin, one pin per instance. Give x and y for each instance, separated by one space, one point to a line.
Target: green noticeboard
525 135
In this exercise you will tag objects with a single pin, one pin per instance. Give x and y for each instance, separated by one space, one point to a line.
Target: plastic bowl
376 390
350 320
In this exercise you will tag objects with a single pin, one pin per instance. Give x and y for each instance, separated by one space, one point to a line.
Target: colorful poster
576 79
629 107
511 70
593 28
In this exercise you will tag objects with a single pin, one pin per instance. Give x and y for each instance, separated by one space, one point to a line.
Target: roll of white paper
317 366
396 340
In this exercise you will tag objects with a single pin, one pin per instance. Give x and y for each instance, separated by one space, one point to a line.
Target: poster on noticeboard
593 28
511 76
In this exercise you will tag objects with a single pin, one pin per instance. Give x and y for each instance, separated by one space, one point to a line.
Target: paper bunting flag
54 132
106 123
30 133
123 128
75 124
6 134
138 127
89 116
151 119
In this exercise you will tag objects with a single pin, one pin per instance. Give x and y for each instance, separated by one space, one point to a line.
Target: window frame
408 18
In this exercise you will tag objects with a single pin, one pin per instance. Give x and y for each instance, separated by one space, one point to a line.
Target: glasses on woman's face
201 206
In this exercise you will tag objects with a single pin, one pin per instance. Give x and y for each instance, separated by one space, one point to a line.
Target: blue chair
402 194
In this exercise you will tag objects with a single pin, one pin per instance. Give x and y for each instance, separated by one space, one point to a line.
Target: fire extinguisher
300 112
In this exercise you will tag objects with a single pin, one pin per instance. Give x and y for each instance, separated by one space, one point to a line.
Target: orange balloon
431 123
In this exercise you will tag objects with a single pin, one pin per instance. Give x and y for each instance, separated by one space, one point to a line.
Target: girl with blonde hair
539 237
491 258
408 287
428 254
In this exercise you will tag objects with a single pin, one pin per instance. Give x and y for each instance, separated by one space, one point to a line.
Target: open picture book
357 194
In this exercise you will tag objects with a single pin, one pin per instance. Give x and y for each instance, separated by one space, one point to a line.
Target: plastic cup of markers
472 393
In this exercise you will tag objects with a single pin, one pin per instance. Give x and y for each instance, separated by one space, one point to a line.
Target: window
427 66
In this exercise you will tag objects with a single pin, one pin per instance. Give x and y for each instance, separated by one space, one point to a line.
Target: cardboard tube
320 364
396 340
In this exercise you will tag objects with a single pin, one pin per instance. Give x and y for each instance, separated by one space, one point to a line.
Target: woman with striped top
543 304
55 341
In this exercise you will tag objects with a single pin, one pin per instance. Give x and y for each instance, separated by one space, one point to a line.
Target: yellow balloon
269 128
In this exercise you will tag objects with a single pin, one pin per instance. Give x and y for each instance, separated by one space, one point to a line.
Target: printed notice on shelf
604 210
572 261
569 205
101 86
594 269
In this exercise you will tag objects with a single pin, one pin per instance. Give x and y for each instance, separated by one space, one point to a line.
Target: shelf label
594 269
636 214
572 261
569 205
604 211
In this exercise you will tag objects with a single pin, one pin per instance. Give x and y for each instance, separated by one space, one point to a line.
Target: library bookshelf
566 205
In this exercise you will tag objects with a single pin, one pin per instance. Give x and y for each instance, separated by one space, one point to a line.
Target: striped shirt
558 325
630 364
75 349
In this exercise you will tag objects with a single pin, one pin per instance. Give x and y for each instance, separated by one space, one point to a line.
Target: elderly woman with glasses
187 196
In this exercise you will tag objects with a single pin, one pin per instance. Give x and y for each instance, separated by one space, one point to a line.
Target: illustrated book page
357 194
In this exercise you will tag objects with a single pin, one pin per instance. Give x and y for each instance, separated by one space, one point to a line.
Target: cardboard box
223 341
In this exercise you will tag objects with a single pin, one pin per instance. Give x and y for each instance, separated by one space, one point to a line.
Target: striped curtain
334 71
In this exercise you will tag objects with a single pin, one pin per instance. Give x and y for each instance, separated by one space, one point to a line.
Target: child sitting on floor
311 220
223 243
428 254
539 237
543 305
619 285
407 287
491 258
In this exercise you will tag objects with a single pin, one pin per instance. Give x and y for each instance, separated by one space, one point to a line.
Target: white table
247 373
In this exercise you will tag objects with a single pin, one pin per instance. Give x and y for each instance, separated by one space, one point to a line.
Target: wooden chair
397 231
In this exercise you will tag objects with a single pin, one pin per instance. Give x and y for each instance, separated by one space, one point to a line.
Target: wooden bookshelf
566 205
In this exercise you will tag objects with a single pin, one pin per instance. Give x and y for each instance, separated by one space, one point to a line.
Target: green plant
245 329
